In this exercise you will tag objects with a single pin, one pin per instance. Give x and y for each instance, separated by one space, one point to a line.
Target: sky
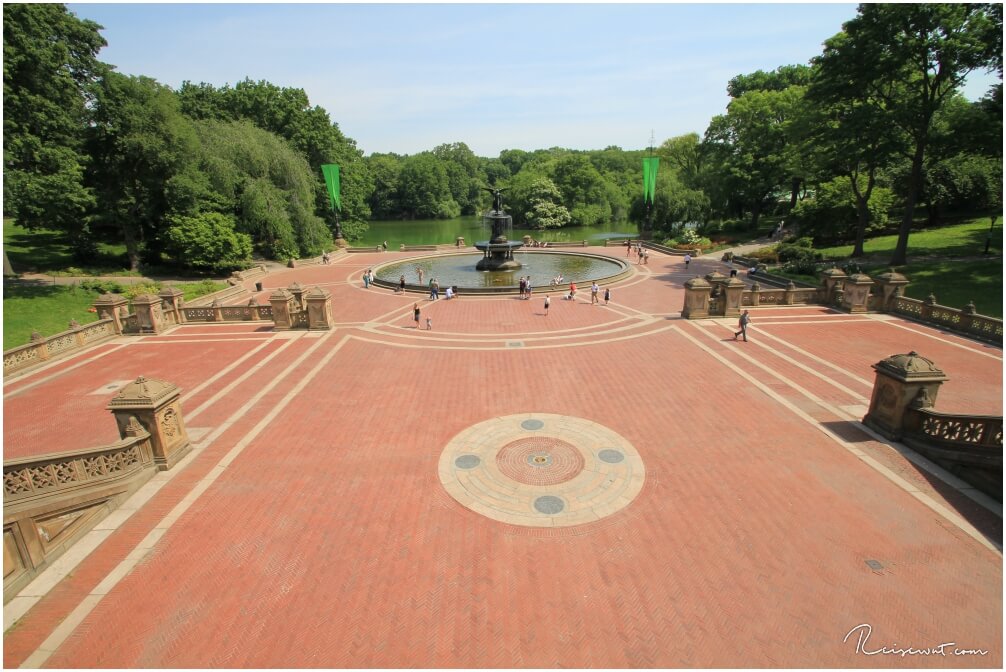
405 78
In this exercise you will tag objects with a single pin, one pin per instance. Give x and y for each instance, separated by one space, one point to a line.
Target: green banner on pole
331 173
650 178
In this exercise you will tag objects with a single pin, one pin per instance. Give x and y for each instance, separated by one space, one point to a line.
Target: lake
444 231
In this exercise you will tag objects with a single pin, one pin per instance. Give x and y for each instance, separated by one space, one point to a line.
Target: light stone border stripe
66 628
935 506
962 346
62 369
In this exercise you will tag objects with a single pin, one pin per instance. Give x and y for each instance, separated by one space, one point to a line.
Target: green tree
833 214
751 143
779 79
384 170
463 174
139 141
265 184
424 189
910 58
546 210
582 189
50 69
207 241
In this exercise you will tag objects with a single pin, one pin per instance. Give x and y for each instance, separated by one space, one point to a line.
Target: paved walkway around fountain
604 486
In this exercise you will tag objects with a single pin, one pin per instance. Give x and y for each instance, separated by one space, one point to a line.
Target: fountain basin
459 270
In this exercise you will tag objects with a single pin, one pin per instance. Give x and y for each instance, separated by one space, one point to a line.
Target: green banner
650 178
331 173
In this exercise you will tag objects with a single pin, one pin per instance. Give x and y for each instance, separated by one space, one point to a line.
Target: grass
954 284
48 309
966 239
49 252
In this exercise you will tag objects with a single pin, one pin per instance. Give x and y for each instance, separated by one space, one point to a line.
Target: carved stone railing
43 349
50 501
228 294
250 273
970 446
964 321
299 319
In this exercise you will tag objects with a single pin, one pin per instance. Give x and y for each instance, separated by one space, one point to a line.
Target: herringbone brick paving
329 541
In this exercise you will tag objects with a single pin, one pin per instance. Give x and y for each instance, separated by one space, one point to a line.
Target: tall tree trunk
794 192
862 209
132 246
915 184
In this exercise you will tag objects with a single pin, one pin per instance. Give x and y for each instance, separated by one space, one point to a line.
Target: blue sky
408 77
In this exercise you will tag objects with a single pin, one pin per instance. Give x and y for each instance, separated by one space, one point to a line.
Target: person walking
385 246
366 279
429 323
628 247
646 257
593 293
431 289
436 289
742 324
607 295
688 260
547 303
415 314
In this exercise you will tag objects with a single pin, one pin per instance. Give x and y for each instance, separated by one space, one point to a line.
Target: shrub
207 241
103 286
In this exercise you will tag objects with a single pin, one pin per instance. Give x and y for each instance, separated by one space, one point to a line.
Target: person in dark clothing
742 324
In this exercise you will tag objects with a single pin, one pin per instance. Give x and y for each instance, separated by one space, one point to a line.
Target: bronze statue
497 198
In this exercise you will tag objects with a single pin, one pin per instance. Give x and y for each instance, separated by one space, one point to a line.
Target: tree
424 190
463 174
909 58
834 215
546 210
265 184
779 79
849 136
750 145
139 140
582 189
207 241
50 70
384 169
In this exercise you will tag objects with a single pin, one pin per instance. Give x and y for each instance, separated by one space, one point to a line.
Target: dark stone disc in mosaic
611 456
532 424
467 461
549 505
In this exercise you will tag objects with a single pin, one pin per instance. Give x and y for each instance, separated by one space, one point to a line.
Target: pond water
459 270
445 231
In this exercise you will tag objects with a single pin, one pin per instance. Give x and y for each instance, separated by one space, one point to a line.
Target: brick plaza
313 524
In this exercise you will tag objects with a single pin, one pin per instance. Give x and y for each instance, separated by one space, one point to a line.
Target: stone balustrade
42 349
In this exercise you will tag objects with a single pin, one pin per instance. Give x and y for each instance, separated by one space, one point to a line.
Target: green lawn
955 283
49 252
48 309
966 239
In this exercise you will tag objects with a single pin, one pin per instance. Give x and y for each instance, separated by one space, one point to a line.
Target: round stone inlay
539 460
611 456
467 461
543 470
549 505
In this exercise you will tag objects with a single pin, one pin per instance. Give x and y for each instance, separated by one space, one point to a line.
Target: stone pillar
298 294
459 241
790 297
282 309
108 307
697 293
856 294
902 382
218 310
148 313
156 405
892 285
832 280
755 293
733 293
319 309
173 297
253 304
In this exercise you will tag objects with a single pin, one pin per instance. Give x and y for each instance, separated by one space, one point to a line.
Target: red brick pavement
329 541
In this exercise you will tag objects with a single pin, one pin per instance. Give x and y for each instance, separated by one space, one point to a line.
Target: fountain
497 251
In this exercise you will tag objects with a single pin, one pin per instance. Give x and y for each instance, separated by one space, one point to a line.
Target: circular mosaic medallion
539 460
541 470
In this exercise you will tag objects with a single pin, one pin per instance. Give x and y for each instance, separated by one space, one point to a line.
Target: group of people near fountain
525 287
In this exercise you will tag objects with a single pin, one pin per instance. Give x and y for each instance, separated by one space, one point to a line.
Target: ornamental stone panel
157 407
902 382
